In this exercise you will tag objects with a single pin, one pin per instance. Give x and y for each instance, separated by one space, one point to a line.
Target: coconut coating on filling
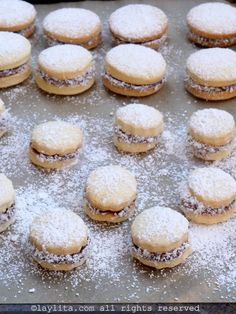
202 149
82 80
24 31
121 213
52 158
53 42
191 204
8 214
9 72
44 256
158 41
204 41
134 139
160 257
125 85
209 89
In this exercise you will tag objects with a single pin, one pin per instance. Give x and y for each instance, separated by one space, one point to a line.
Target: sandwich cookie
55 145
138 128
139 24
209 196
110 194
7 203
3 119
18 17
211 74
72 26
160 238
134 70
15 53
211 134
65 70
212 25
58 240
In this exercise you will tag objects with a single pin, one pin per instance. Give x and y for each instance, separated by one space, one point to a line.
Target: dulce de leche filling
8 214
134 139
158 41
90 43
209 89
44 256
202 150
26 30
191 204
145 87
123 212
82 80
17 70
204 41
53 158
160 257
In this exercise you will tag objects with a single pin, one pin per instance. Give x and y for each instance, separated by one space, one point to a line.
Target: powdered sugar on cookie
212 184
213 64
125 22
212 123
213 18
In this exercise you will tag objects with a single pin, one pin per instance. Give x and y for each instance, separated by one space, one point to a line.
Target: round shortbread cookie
125 23
212 186
59 232
213 67
72 25
213 20
56 138
15 50
16 15
7 193
212 126
65 61
140 120
159 229
111 188
135 64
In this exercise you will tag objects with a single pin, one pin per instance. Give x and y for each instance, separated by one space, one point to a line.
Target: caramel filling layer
90 43
160 257
25 31
44 256
120 213
202 150
134 139
52 158
191 204
209 89
159 41
9 72
116 82
204 41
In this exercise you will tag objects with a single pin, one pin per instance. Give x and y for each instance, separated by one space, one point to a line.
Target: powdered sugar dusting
15 13
213 18
124 22
213 64
212 184
72 22
212 123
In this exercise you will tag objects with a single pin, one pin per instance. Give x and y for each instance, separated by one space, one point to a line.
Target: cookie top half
213 67
140 120
135 64
213 19
159 229
58 232
7 193
56 138
138 23
212 126
111 188
72 24
212 186
15 50
16 15
65 61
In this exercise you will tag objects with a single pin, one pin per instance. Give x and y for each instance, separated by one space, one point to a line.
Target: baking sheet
110 274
